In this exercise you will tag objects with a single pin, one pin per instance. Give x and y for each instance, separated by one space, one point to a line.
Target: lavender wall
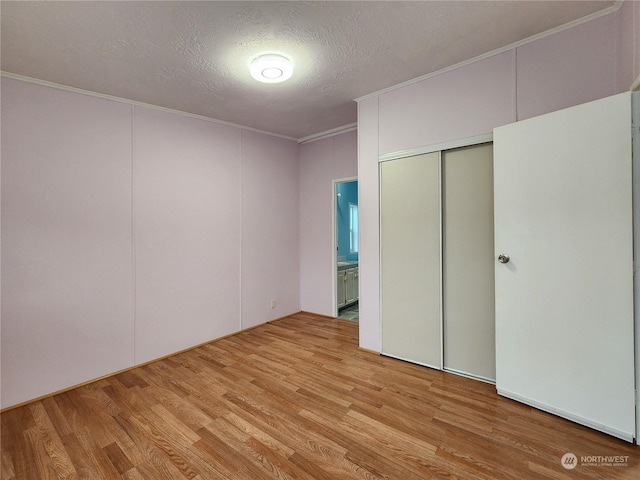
465 102
66 239
187 231
321 162
347 195
629 44
570 67
97 193
628 21
270 225
213 221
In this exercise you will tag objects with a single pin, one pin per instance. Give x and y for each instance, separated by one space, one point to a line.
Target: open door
564 280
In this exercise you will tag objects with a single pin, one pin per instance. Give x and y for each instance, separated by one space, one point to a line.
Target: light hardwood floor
295 399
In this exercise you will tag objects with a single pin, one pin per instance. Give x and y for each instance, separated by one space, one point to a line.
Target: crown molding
89 93
329 133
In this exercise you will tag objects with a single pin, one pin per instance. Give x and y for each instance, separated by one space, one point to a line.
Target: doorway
345 248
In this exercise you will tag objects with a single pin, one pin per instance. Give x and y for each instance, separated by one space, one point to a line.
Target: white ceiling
193 56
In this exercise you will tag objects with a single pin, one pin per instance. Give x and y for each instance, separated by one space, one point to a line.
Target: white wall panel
369 228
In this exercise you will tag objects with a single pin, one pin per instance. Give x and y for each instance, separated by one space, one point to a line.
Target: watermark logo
569 461
605 460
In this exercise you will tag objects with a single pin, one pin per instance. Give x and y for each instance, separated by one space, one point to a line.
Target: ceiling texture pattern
194 56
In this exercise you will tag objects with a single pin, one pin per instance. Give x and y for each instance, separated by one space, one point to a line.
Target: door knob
502 258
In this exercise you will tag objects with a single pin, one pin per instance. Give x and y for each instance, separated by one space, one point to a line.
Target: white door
411 259
564 300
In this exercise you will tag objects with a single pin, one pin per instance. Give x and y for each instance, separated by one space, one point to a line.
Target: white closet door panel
468 261
411 259
564 302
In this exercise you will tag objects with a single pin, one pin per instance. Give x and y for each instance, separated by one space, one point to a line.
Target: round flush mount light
271 68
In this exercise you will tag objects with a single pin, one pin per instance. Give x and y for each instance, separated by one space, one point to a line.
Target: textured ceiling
193 56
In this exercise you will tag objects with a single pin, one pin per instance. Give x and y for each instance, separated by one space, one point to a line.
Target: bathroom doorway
346 247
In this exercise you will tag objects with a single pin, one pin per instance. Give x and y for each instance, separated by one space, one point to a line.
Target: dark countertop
347 265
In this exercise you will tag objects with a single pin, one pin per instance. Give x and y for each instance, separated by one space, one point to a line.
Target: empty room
320 240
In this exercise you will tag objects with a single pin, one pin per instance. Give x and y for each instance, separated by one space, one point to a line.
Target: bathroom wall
347 194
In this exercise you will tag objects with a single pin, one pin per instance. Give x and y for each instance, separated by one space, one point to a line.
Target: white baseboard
628 436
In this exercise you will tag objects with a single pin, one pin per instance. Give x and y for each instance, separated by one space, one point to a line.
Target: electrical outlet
273 304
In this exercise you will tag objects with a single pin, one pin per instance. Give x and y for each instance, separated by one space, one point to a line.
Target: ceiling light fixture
271 68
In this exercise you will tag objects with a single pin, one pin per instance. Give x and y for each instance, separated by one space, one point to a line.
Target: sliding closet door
564 300
468 261
411 259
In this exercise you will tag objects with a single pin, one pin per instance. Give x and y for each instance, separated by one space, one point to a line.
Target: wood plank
15 424
295 398
118 458
50 444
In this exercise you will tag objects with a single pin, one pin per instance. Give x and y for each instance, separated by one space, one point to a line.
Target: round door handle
502 258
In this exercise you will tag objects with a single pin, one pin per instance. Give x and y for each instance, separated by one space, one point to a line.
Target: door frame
334 241
635 192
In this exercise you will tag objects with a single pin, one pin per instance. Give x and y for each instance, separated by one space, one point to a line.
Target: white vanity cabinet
351 285
347 285
341 293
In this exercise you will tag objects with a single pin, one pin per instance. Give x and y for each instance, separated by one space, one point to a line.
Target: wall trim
368 350
627 436
609 10
329 133
59 86
306 312
469 375
437 147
